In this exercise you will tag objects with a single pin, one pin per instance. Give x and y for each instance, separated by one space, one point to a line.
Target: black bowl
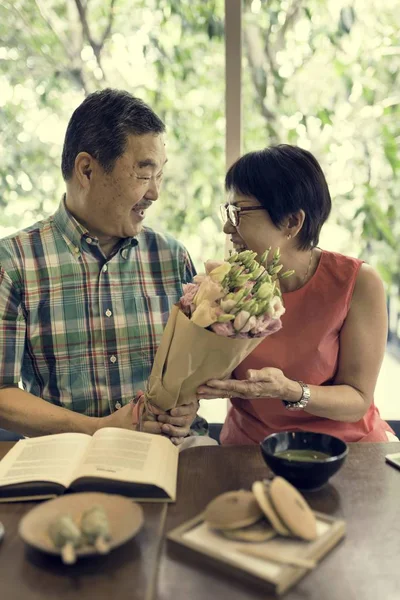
304 475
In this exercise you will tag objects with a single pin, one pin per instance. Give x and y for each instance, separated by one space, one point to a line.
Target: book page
50 458
131 456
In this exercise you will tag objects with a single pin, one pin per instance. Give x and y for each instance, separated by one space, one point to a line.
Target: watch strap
302 403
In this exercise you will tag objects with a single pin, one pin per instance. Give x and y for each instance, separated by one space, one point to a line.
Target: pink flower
249 325
209 290
276 308
210 265
205 314
189 292
199 278
275 325
224 329
227 305
240 320
219 273
266 326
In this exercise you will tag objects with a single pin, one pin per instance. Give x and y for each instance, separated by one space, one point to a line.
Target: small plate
125 518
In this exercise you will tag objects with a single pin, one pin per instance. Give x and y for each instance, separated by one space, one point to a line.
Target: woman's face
255 230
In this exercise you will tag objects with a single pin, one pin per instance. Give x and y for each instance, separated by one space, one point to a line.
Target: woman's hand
264 383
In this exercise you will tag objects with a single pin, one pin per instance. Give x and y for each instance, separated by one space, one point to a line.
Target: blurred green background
323 74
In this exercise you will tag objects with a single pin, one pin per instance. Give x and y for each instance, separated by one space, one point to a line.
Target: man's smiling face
116 202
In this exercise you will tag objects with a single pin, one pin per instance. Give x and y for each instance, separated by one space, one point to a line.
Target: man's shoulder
23 238
161 240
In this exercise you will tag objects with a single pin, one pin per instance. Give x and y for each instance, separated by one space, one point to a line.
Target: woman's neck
304 263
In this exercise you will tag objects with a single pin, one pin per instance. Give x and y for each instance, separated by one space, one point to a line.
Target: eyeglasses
144 180
231 212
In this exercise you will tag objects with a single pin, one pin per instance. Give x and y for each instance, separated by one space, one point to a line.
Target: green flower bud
264 256
264 291
230 296
263 279
239 295
287 274
244 255
258 272
252 266
275 270
248 306
236 270
277 255
225 318
241 280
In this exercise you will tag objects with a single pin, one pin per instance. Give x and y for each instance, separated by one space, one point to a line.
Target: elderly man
85 293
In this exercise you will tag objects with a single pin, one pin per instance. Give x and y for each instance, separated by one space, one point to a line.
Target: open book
113 460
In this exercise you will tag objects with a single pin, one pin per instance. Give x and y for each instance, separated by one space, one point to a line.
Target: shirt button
89 240
118 405
113 359
105 269
108 312
124 253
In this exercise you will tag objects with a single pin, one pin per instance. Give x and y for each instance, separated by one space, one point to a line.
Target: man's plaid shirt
81 331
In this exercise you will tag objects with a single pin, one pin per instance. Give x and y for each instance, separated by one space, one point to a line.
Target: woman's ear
294 223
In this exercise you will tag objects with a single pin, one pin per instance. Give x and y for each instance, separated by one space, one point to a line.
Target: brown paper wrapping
188 356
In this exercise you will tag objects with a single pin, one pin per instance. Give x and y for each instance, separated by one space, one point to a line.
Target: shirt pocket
146 322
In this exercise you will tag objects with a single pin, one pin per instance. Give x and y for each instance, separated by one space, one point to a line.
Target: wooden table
365 566
127 573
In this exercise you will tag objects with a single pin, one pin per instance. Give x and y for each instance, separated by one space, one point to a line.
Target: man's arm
21 411
29 415
188 270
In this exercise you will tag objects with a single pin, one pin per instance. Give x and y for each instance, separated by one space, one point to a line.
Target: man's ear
294 223
84 164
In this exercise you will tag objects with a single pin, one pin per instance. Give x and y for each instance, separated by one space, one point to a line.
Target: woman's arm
361 350
362 346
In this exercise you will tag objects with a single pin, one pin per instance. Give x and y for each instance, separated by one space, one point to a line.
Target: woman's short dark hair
284 179
101 124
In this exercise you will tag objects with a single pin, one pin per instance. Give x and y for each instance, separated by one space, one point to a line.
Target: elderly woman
318 373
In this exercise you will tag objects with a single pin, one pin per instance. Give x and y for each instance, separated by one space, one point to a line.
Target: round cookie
261 494
233 510
292 509
260 532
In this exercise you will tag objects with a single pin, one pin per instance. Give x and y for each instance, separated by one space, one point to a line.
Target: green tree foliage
171 54
319 73
324 75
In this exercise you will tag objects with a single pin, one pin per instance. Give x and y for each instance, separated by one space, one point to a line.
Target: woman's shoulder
368 283
336 260
334 280
338 269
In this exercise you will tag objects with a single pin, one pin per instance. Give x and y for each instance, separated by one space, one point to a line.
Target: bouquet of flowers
221 317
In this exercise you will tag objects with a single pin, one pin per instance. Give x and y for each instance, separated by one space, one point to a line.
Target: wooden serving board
225 554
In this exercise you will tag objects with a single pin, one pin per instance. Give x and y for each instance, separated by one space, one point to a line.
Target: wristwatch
302 403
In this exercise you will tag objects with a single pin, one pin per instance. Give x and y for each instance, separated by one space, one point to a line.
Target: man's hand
176 423
123 418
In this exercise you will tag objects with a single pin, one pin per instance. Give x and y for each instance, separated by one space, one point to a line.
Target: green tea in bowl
304 458
303 455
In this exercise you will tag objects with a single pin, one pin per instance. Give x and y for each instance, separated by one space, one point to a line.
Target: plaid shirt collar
75 233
